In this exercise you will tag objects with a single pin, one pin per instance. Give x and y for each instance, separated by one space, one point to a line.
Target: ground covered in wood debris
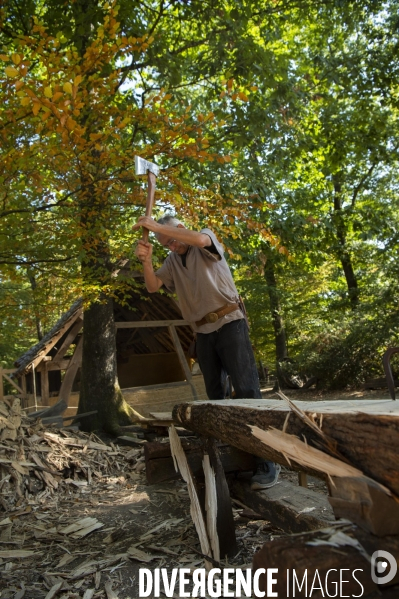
77 519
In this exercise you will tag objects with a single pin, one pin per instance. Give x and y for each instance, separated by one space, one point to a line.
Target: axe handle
150 200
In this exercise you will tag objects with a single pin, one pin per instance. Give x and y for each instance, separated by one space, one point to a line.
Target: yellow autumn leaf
36 107
243 97
16 58
25 101
19 84
67 87
77 80
11 72
48 92
227 158
4 57
57 96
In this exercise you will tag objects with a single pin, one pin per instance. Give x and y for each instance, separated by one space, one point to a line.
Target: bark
300 555
343 252
368 436
99 383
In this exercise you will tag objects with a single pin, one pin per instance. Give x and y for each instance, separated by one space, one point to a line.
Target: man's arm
180 233
144 253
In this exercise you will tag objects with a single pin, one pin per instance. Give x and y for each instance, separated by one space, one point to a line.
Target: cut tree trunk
100 389
338 550
366 433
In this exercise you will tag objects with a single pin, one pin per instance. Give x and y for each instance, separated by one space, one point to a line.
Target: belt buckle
211 317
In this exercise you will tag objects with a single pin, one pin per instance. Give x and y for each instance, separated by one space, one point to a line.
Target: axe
144 167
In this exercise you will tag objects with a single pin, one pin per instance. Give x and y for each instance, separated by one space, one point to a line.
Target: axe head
143 166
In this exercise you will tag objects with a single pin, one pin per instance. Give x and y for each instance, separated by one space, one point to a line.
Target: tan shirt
204 285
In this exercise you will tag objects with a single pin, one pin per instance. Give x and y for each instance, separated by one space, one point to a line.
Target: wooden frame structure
49 354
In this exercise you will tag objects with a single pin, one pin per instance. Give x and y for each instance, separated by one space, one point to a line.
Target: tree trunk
303 555
99 383
277 319
367 434
343 253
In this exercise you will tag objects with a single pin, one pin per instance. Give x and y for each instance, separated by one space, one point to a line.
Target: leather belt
214 316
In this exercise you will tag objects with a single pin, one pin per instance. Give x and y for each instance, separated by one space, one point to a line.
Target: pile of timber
36 459
354 446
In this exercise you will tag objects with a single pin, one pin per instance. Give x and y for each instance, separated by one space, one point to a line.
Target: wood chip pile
37 460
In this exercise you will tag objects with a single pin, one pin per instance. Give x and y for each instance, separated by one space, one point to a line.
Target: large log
290 507
366 432
334 553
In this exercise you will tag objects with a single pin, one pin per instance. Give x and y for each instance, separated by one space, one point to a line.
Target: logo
383 567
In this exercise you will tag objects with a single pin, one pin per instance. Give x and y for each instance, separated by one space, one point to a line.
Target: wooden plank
68 340
45 393
224 518
182 359
196 512
140 324
293 509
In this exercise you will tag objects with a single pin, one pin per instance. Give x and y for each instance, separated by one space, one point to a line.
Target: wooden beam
293 509
68 340
45 394
366 432
61 365
13 383
54 339
182 359
66 387
140 324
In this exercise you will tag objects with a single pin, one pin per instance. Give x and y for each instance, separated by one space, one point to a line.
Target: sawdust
78 520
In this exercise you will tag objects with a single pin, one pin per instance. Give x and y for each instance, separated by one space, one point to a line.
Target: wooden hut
152 342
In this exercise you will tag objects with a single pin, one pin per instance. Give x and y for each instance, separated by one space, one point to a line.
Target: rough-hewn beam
366 432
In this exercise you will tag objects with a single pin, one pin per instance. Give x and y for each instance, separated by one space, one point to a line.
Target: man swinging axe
198 273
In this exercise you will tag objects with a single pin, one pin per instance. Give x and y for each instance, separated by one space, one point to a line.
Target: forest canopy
274 123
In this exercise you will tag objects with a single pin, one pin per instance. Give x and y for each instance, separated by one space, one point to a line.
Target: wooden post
182 359
44 384
302 479
25 395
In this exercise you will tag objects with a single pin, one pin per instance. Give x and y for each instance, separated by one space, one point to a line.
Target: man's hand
148 223
143 251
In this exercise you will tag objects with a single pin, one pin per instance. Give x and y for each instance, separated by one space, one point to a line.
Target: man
198 273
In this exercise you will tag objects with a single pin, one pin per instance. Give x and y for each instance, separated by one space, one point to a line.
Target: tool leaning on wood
198 273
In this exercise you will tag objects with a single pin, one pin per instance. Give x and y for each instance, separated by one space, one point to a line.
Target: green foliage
275 123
